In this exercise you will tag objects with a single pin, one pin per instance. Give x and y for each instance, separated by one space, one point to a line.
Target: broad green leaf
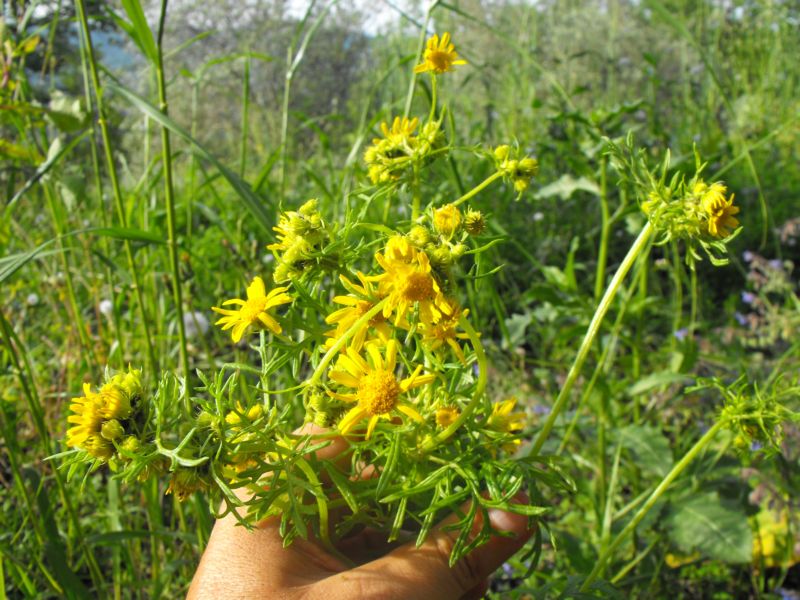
140 31
650 448
703 523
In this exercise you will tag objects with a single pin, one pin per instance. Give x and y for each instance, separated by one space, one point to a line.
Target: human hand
254 564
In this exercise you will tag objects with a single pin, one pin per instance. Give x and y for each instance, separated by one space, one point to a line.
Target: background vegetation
270 105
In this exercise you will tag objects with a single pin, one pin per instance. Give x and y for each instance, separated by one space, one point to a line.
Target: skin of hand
238 563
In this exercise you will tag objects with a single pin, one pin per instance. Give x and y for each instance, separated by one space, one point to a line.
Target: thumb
425 572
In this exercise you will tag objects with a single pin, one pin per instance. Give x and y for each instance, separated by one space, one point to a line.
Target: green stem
480 386
650 502
117 192
591 333
602 253
420 47
287 87
340 343
169 195
486 182
245 113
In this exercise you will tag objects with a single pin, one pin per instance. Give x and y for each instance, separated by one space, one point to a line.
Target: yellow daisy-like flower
503 420
377 390
440 55
356 306
446 416
407 282
401 132
719 210
252 311
436 335
447 219
96 415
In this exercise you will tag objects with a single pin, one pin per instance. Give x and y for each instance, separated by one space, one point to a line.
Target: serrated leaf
704 524
650 448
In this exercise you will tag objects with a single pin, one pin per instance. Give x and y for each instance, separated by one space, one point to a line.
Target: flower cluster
519 171
301 236
253 312
100 418
392 155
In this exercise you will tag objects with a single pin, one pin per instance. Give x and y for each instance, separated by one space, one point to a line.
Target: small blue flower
541 409
776 264
681 334
748 256
748 297
740 318
756 446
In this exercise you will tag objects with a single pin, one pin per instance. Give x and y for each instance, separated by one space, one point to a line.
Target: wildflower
681 334
377 391
519 171
301 234
234 418
185 482
97 416
355 307
718 209
407 282
748 297
444 332
474 222
446 416
32 300
447 220
503 420
253 311
387 157
401 132
440 55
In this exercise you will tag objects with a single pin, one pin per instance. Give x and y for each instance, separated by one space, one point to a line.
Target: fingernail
507 521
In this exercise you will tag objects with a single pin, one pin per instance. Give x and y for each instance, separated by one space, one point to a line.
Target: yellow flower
447 219
356 306
503 420
440 55
253 311
96 415
719 210
377 391
401 133
446 416
407 282
436 335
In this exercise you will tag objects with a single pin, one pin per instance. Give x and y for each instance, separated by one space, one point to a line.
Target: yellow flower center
417 287
378 392
251 309
441 60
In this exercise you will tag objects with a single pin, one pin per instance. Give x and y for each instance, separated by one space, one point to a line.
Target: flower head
503 420
377 391
446 416
447 219
443 333
718 209
252 311
440 55
407 282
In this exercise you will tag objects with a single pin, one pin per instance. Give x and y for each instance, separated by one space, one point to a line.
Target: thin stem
169 195
480 386
591 333
651 501
245 113
117 192
478 188
420 47
602 253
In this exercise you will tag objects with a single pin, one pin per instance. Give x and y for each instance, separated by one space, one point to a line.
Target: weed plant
556 260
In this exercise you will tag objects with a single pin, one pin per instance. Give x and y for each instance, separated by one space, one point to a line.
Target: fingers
424 573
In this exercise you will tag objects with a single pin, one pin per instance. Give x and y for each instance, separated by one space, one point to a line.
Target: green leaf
656 380
705 524
649 447
566 185
140 31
